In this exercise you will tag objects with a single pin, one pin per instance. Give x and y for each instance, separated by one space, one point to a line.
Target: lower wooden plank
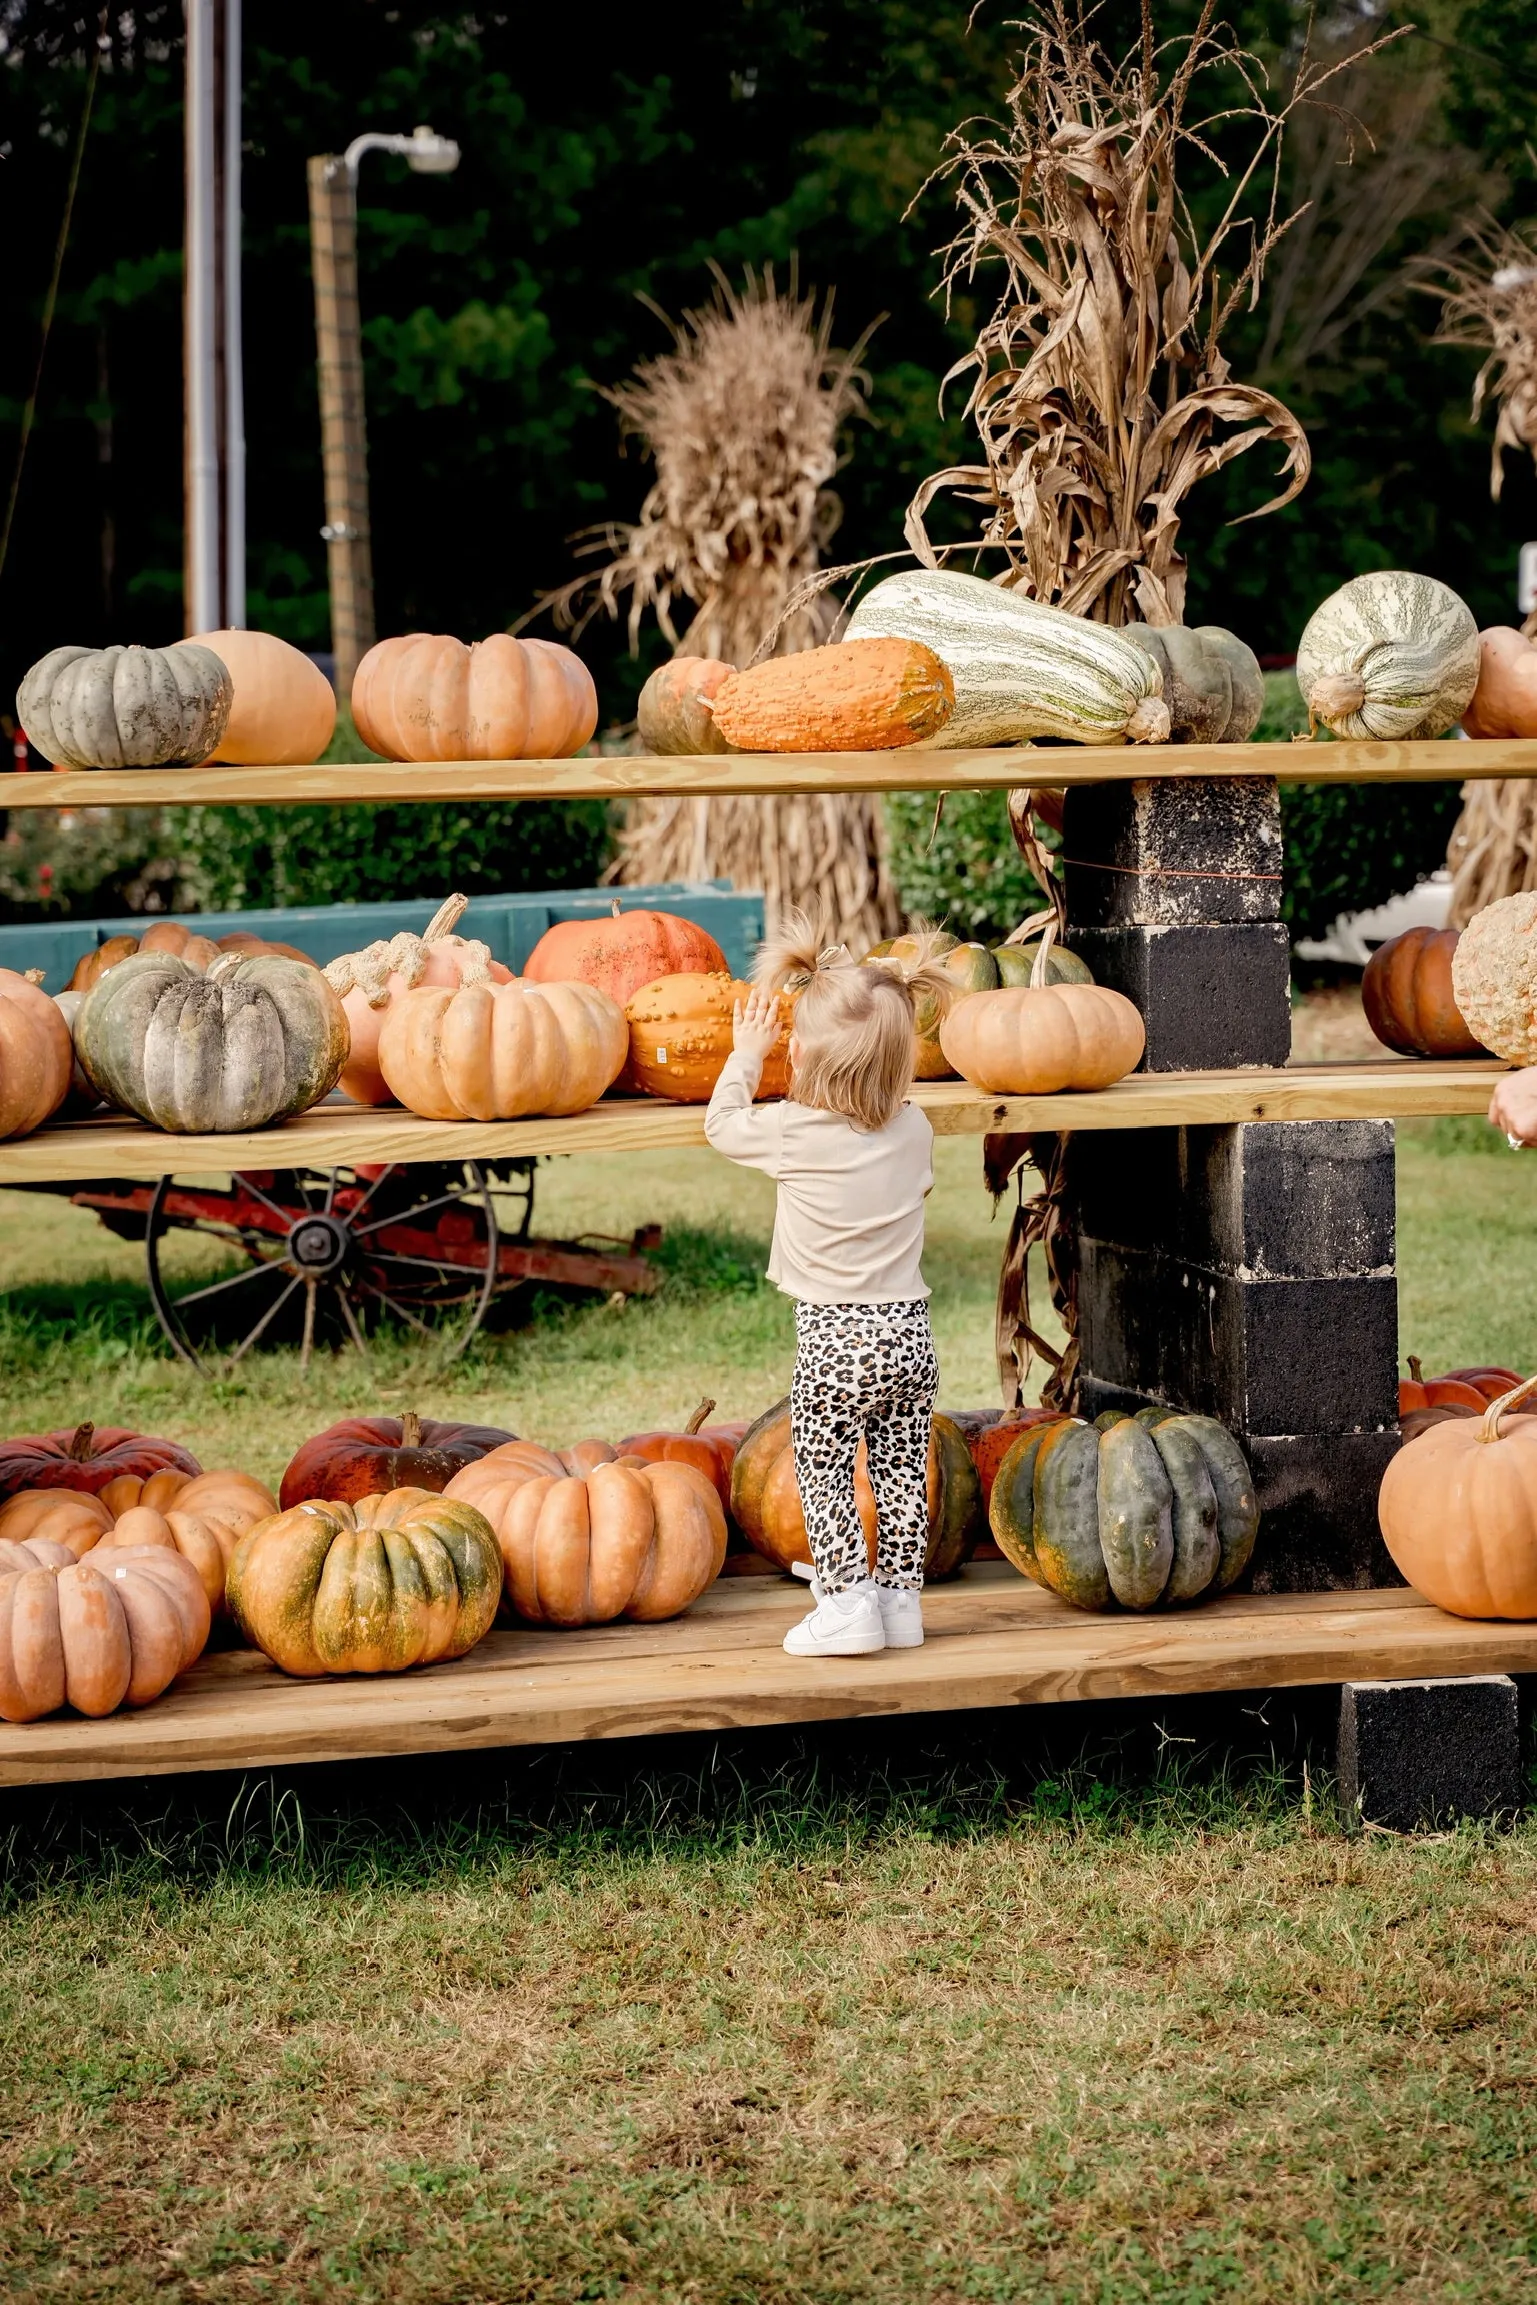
335 1132
993 1640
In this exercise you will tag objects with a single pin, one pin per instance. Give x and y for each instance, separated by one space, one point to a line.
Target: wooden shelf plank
993 1640
620 776
337 1133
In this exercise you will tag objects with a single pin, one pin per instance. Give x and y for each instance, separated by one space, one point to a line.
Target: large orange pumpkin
1458 1509
284 713
710 1449
202 1517
1033 1040
625 1539
91 1634
680 1033
368 1456
1406 991
37 1056
426 696
87 1457
368 982
622 953
766 1504
500 1051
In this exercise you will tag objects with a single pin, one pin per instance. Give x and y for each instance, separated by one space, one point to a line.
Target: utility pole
333 190
214 549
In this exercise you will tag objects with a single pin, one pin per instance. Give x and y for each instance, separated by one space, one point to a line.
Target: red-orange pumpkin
373 1456
1406 991
710 1449
86 1457
622 952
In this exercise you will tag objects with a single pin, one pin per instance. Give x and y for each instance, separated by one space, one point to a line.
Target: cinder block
1144 853
1210 997
1317 1496
1417 1755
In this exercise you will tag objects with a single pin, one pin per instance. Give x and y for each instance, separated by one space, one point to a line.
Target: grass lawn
1093 2005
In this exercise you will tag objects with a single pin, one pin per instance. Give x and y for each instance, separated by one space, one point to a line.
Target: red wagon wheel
326 1255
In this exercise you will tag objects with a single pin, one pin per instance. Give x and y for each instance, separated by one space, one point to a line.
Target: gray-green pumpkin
126 707
1015 964
1212 683
248 1042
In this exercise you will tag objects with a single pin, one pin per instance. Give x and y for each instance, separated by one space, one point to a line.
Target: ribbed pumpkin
583 1547
1033 1040
409 1578
1505 700
367 982
1406 991
37 1057
859 696
1392 656
1494 977
621 953
126 707
87 1457
174 936
91 1634
1458 1508
1472 1388
202 1517
426 696
680 1037
1129 1511
766 1503
284 712
1016 964
499 1051
1212 683
971 967
676 713
368 1456
710 1449
1020 669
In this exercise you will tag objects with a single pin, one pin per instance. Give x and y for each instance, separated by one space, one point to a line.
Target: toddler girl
853 1162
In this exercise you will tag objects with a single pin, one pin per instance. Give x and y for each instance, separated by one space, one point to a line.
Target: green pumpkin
1016 964
1131 1512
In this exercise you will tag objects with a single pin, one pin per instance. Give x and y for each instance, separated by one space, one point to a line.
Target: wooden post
344 441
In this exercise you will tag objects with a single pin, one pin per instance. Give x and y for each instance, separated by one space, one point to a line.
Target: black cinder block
1156 851
1318 1503
1210 997
1128 1186
1418 1755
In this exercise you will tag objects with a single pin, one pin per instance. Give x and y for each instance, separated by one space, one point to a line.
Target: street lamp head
431 155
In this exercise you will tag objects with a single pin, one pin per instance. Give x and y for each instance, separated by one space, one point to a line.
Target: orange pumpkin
499 1051
93 1635
855 696
710 1449
37 1056
1458 1509
766 1504
1505 700
989 1434
623 1539
1406 991
202 1517
187 944
1471 1389
676 713
622 953
284 713
1033 1040
426 696
367 983
680 1037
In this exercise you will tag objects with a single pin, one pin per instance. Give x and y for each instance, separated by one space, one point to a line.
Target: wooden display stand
993 1639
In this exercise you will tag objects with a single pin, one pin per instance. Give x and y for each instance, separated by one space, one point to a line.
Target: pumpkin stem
614 909
698 1417
410 1430
79 1450
1416 1369
442 921
34 975
1042 960
1490 1429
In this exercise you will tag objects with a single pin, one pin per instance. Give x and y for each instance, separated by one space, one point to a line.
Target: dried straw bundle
1490 302
742 419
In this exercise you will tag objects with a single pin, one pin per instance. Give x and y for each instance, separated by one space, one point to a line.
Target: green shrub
969 878
85 864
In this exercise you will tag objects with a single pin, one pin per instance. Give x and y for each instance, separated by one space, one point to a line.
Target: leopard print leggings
864 1370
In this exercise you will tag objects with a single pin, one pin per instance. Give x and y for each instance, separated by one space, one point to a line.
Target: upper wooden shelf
337 1134
624 776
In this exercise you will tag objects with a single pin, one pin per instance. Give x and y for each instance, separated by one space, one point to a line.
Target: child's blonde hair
855 1022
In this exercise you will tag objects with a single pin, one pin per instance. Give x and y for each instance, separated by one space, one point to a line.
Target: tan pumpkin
680 1032
1033 1040
284 713
367 982
174 936
94 1635
1505 700
856 696
201 1516
766 1504
426 696
676 713
1494 976
582 1545
37 1057
1458 1509
500 1051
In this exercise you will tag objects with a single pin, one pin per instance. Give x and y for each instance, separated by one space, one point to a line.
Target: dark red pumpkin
711 1449
1406 992
87 1457
369 1456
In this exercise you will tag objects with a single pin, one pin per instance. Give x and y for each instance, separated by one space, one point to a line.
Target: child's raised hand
755 1025
1513 1107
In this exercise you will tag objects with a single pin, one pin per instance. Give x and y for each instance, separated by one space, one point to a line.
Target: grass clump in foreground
922 2012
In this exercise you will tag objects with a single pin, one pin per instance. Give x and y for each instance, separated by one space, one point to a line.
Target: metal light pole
215 400
333 187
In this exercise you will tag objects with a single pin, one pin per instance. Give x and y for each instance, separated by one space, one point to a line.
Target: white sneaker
902 1617
841 1625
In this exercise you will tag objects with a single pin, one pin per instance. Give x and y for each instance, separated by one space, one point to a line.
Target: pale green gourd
1390 656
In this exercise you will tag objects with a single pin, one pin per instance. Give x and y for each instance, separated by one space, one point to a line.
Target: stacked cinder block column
1245 1271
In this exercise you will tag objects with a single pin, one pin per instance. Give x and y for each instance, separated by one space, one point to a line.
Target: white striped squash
1020 670
1391 655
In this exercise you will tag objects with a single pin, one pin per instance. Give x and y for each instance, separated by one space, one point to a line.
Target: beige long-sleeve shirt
848 1228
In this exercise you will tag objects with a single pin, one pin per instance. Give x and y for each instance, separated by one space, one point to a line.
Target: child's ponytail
856 1022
